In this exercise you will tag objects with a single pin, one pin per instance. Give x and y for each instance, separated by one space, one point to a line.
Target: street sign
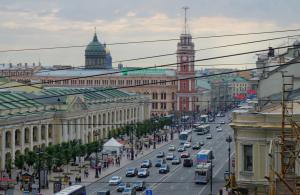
149 191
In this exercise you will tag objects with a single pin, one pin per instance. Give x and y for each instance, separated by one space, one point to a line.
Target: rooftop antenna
185 8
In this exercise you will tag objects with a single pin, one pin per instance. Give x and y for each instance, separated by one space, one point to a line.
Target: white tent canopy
112 145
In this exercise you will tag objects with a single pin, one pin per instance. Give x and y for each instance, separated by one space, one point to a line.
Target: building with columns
30 120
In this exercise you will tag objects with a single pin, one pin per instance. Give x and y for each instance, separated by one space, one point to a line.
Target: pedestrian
17 178
99 170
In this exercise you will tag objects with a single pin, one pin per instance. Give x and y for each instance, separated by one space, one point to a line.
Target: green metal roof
150 71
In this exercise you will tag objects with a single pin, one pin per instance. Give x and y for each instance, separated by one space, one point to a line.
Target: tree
20 161
30 158
8 166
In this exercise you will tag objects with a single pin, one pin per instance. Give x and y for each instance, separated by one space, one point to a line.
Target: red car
185 155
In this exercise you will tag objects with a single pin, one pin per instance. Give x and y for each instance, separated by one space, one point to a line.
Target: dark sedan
159 162
139 185
164 168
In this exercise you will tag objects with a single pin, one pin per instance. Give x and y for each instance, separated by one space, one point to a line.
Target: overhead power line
169 54
145 68
167 81
150 41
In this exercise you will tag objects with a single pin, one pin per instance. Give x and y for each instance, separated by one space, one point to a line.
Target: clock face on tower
184 58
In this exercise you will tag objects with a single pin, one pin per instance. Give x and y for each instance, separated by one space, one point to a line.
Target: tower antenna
185 8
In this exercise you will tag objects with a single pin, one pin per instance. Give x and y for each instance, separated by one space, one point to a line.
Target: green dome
94 47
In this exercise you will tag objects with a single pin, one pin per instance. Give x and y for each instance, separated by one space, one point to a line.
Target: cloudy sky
36 23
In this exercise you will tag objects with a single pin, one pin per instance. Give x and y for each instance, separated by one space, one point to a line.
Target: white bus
204 118
202 173
73 190
185 136
204 156
202 129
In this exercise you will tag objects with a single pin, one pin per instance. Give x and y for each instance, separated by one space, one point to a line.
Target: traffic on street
184 166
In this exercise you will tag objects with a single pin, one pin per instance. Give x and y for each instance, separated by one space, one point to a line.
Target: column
78 129
97 120
65 131
3 150
46 134
31 137
22 139
190 103
13 144
82 130
39 134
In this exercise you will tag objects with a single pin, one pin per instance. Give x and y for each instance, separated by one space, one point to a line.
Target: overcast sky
36 23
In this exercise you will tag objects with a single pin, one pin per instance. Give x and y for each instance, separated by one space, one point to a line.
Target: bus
203 173
202 129
185 136
204 118
204 156
73 190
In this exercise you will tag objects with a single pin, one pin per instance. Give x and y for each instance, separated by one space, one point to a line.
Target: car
143 172
103 192
172 148
164 168
131 172
146 164
139 185
222 122
176 161
181 149
187 144
122 186
211 119
201 143
115 180
170 156
209 136
185 155
219 129
129 191
159 162
196 146
160 154
188 162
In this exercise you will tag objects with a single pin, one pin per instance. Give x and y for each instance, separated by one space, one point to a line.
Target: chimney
120 66
26 65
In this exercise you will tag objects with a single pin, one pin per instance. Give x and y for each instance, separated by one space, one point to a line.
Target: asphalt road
180 179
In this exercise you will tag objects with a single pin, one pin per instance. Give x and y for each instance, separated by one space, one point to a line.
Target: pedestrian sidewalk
91 176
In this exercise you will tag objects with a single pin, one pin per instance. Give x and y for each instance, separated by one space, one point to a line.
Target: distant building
30 120
203 96
19 71
97 56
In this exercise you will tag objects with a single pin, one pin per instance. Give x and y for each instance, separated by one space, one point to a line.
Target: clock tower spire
186 90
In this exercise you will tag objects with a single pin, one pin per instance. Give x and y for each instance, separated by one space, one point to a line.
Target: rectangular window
248 158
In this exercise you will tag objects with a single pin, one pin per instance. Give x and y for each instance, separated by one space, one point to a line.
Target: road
180 179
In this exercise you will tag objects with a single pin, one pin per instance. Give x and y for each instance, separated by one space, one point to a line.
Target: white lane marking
216 173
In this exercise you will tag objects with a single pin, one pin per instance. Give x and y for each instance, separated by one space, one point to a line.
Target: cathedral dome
95 47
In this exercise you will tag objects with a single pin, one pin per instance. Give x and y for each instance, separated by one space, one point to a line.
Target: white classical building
30 120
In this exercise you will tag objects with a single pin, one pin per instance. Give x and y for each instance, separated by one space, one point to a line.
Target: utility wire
187 78
169 54
150 41
145 68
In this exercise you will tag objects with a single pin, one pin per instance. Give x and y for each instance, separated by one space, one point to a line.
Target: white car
223 122
219 129
172 148
209 136
187 144
115 180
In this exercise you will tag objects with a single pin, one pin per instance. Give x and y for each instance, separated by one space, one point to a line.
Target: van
188 162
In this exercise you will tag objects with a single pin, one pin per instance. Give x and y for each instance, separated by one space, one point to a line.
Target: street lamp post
131 137
211 176
154 134
96 166
39 167
229 140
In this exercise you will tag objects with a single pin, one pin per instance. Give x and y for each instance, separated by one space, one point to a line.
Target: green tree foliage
20 161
